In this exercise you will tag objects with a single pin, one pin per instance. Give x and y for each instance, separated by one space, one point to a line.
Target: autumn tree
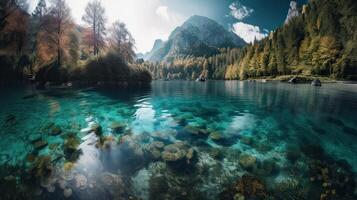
59 26
9 7
121 41
95 19
37 22
14 25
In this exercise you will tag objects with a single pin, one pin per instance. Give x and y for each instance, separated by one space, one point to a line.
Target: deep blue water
179 140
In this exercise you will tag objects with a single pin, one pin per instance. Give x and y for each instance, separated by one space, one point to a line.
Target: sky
149 20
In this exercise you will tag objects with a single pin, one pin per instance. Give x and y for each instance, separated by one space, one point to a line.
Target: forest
48 46
318 42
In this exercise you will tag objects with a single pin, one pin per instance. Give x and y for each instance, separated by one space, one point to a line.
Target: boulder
35 138
215 136
81 181
247 187
40 144
117 127
247 161
316 83
55 130
177 152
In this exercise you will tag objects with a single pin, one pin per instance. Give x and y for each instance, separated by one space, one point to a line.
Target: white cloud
240 11
248 32
162 12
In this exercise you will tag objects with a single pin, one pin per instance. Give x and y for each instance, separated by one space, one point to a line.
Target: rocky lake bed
180 140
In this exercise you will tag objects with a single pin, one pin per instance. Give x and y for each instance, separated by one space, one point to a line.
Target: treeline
321 41
49 46
190 68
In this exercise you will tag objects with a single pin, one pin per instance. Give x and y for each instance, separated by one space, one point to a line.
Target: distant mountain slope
198 36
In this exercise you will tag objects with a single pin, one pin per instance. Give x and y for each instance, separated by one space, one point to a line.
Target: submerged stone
56 130
67 192
35 138
177 151
70 148
118 127
196 131
215 136
247 187
68 166
40 144
247 161
335 121
292 153
350 131
10 119
81 181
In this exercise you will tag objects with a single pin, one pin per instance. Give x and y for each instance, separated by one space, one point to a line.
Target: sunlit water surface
178 140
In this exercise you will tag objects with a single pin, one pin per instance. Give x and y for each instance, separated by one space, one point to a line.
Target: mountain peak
197 36
293 11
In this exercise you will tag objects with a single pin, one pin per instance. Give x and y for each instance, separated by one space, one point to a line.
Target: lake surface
180 140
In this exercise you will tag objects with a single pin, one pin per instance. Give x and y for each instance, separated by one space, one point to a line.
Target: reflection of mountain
198 36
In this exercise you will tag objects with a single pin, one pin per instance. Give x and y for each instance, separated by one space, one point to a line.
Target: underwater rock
247 187
215 153
319 130
262 146
349 130
80 181
97 129
4 158
175 152
247 161
42 167
35 138
67 192
10 120
70 148
117 127
292 153
67 175
290 188
267 167
30 157
215 136
112 183
161 135
40 144
158 187
158 144
55 130
335 121
54 146
68 166
51 189
179 156
313 151
246 140
196 131
155 150
62 184
109 179
333 179
89 119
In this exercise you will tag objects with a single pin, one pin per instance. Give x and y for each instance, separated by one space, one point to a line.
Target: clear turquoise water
265 121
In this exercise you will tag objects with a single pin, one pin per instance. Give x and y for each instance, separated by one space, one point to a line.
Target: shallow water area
180 140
